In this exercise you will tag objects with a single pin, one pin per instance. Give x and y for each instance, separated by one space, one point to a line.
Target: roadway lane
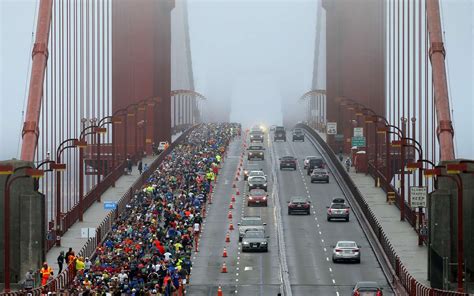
259 272
206 274
309 239
248 273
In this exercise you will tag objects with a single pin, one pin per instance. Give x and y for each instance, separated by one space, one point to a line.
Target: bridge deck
401 234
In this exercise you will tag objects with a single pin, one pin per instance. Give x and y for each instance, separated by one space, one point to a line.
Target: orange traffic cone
229 215
236 178
227 238
219 291
232 198
233 186
238 192
224 253
231 206
231 226
224 268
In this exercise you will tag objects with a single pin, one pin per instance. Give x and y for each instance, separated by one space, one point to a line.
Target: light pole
66 144
9 171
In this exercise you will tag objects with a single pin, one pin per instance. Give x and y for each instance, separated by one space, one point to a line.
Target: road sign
110 205
358 141
339 137
418 196
331 128
358 132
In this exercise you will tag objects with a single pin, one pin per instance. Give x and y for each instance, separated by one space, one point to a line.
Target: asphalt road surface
308 239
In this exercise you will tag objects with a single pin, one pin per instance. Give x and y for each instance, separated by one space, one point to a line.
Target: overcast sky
253 53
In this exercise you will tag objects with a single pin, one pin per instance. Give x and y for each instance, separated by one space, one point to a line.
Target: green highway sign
358 141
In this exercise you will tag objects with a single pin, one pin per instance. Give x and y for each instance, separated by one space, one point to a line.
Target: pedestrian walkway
94 215
401 234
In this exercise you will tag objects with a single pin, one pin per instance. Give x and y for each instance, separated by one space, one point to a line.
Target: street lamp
9 171
66 144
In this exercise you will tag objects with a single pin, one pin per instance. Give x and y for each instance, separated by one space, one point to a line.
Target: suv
298 135
299 204
256 136
320 175
315 163
253 173
257 182
338 211
255 152
250 222
280 134
288 162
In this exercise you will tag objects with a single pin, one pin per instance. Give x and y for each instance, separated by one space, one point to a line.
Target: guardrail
409 283
61 282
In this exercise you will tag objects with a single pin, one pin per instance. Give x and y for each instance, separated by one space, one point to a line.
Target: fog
252 59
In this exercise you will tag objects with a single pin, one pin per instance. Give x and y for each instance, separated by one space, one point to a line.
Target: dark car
250 223
254 240
367 288
257 197
339 200
320 175
298 204
256 136
257 182
255 152
288 162
338 211
315 163
298 135
280 134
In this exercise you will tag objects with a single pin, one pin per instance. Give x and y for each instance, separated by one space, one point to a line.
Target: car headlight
245 243
264 243
250 198
264 198
265 184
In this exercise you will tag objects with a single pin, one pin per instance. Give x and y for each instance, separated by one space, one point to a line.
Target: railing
59 283
411 285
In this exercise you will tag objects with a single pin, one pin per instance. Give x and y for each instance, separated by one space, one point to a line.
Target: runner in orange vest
46 271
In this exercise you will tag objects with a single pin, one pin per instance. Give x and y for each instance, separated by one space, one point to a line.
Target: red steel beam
445 129
40 57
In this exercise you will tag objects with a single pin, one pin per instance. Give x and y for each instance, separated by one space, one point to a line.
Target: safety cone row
231 206
224 268
224 253
231 226
237 192
227 238
232 198
229 215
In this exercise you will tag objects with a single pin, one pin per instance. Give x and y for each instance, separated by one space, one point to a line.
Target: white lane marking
325 249
317 225
337 293
322 240
236 280
327 258
330 270
320 233
237 274
333 281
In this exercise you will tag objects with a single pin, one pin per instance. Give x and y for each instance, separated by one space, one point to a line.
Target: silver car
346 251
257 182
338 211
254 240
320 175
250 222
